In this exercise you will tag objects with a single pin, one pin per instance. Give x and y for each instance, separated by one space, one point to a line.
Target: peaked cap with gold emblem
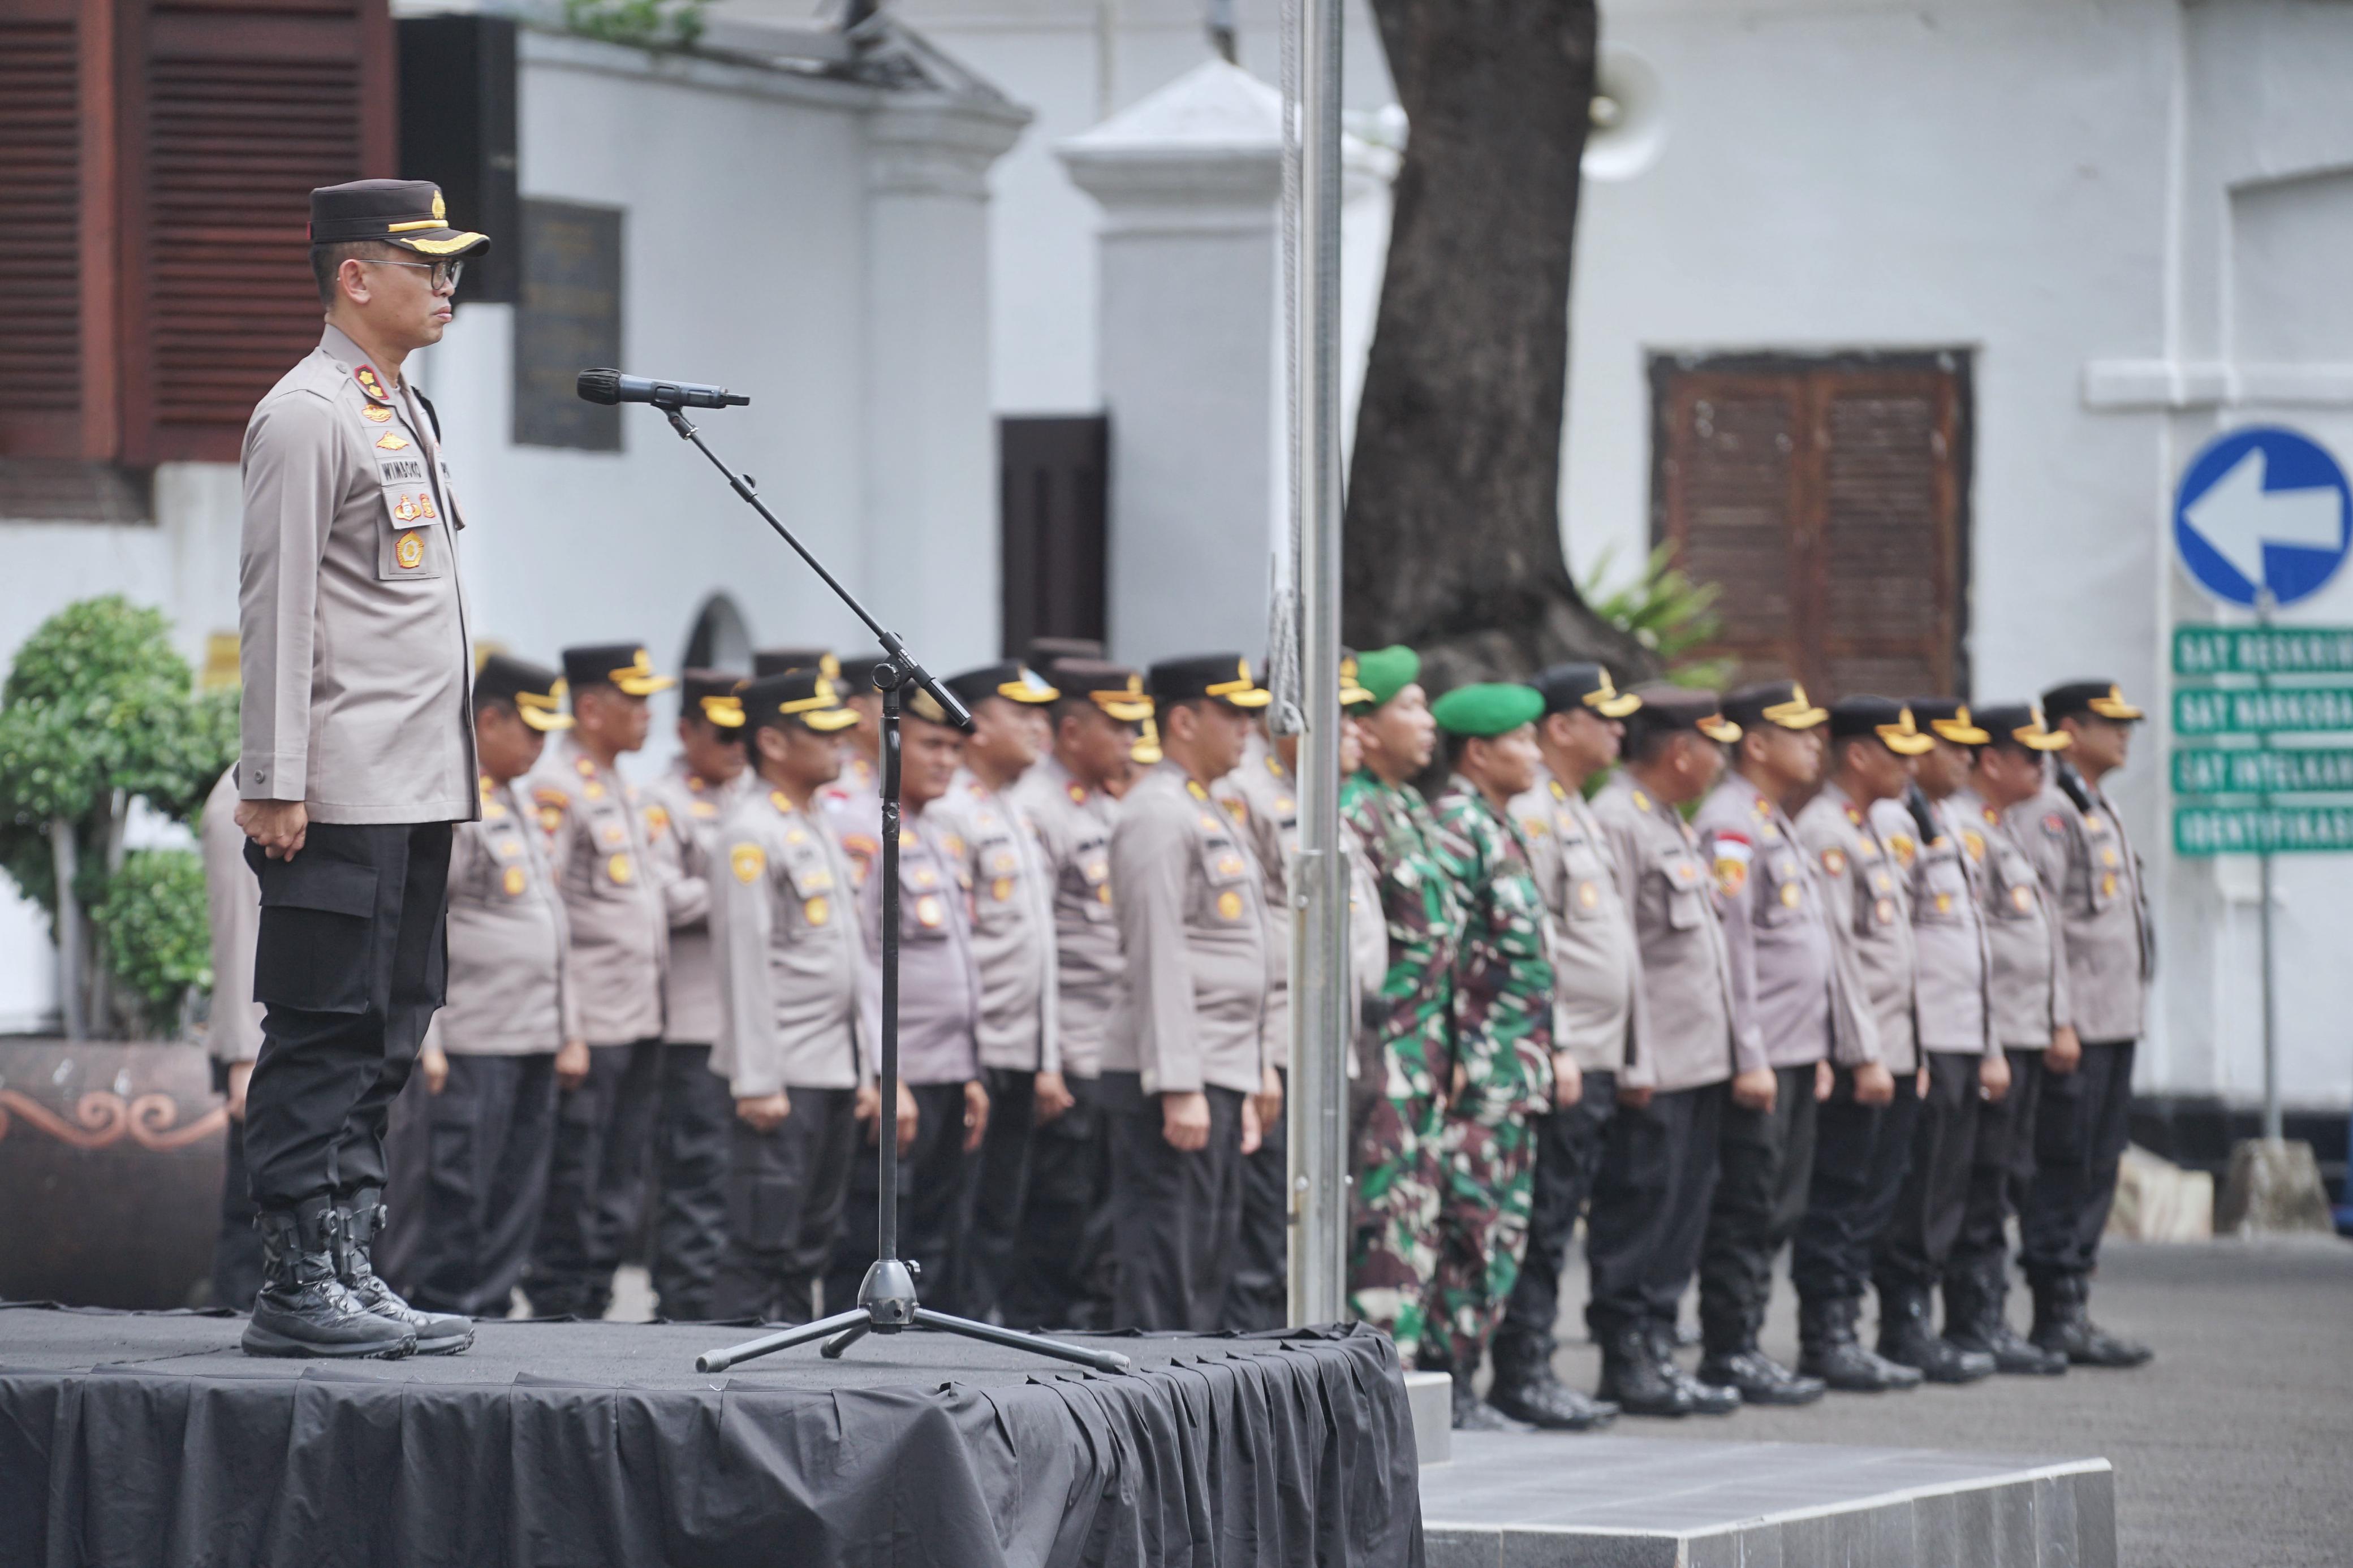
768 662
1948 717
2103 698
1683 708
618 664
709 694
409 213
1223 676
1879 718
2021 725
1011 680
1567 687
1780 704
536 691
808 697
1114 688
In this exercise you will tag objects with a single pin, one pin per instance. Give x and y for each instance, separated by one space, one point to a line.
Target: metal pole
2274 1129
1322 1014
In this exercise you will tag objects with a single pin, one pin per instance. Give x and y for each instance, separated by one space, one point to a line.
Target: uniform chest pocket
1944 889
2017 893
1781 891
997 887
1091 877
411 539
1224 870
1686 889
1583 881
1875 908
812 883
924 896
607 836
2104 868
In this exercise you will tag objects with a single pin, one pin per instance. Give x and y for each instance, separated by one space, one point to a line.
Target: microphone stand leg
784 1340
1014 1339
832 1349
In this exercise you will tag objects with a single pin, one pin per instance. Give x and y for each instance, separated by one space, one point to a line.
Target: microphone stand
887 1302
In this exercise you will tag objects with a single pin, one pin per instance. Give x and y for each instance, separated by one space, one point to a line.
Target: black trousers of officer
1917 1246
691 1157
784 1193
1766 1159
1176 1215
1860 1155
1258 1296
597 1182
999 1190
491 1133
934 1175
350 963
1650 1198
1063 1264
1568 1153
2080 1132
236 1251
2002 1169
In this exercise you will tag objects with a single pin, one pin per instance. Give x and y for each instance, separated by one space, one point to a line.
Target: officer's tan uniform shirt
1868 903
1595 966
939 986
1792 1001
1681 1025
1192 921
1012 925
1263 800
2028 957
2091 872
351 624
682 814
233 904
792 965
1074 825
1948 935
620 928
513 988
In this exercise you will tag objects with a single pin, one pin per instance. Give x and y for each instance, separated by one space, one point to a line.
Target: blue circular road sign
2262 508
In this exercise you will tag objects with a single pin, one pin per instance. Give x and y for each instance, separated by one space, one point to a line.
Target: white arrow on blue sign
2262 508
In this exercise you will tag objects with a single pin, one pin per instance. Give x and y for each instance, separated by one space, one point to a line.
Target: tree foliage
1663 609
153 931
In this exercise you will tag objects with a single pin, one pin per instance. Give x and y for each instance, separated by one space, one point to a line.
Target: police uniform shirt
939 987
1073 826
352 629
512 983
681 816
2090 873
1262 798
853 806
1790 1004
1948 934
1595 966
1012 923
1869 898
1681 1023
233 905
792 963
1192 921
2028 955
620 926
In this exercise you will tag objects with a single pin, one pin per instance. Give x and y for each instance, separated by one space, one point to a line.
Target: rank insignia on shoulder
1641 800
1193 787
584 767
1236 808
1993 818
1557 792
365 375
392 440
376 413
1854 815
1274 764
747 861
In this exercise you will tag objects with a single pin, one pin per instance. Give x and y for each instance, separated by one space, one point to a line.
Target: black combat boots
1975 1321
1469 1412
1760 1379
1829 1349
438 1334
1707 1398
2063 1324
1906 1338
1631 1378
304 1310
1527 1389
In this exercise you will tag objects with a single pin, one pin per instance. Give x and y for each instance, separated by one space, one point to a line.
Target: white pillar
1187 341
930 565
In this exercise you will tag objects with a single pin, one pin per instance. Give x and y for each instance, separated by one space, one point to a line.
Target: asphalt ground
2233 1446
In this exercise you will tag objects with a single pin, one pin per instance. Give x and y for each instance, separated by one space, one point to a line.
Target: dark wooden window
43 144
1053 477
1829 497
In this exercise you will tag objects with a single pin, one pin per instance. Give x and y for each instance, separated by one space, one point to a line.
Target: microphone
606 386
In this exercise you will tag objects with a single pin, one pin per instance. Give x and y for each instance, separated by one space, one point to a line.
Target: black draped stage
148 1441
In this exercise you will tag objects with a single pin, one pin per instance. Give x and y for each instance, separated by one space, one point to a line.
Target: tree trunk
1454 520
71 952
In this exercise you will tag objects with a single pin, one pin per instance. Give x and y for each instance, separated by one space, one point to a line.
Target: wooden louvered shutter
56 379
233 110
1827 499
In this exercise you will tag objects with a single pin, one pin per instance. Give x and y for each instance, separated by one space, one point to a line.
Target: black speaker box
458 130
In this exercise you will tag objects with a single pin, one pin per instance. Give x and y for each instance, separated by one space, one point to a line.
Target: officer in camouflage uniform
1502 1035
1392 1251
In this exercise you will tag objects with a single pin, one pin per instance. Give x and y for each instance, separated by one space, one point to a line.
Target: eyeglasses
445 273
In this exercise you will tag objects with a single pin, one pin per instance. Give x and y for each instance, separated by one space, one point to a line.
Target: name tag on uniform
401 470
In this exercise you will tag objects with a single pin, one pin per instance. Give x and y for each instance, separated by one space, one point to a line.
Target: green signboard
2263 651
2261 829
2303 771
2251 713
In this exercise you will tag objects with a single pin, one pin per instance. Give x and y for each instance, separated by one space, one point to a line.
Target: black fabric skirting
148 1441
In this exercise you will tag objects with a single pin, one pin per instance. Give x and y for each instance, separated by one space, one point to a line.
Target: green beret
1385 671
1491 708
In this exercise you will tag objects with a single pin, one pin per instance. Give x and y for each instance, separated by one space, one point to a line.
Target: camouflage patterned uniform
1392 1253
1503 1045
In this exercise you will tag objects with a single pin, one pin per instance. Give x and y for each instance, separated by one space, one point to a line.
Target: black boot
304 1310
1760 1379
1471 1413
1973 1319
438 1334
1707 1398
1828 1350
1630 1377
1906 1338
1527 1389
2063 1324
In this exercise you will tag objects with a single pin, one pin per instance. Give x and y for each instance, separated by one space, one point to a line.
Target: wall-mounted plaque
569 319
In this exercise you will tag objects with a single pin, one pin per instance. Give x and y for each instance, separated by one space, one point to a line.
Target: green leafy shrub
1664 611
650 23
154 933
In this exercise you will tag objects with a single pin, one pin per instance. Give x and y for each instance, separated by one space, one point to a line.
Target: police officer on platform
357 755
